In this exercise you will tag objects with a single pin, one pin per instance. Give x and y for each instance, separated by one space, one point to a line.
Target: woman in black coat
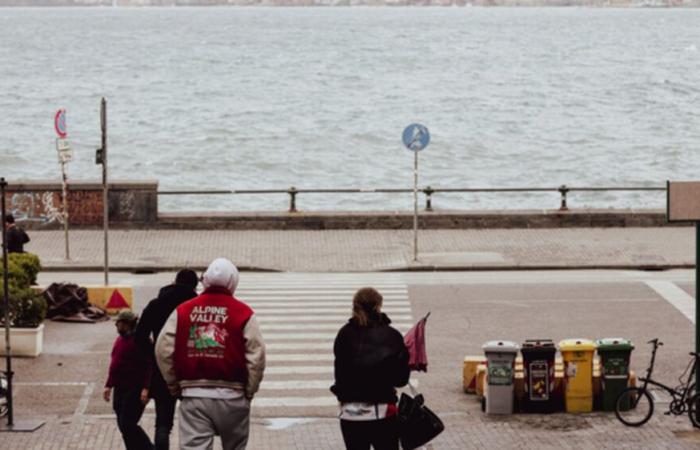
371 361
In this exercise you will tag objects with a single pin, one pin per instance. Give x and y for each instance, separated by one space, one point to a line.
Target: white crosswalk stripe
316 326
299 316
335 319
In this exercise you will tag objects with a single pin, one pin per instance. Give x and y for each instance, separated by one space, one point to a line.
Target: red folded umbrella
415 343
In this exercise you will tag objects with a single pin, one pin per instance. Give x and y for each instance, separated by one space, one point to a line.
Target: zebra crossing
299 316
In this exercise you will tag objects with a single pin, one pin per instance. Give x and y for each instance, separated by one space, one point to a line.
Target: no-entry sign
59 123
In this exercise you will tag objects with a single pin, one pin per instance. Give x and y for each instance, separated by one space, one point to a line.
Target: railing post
563 190
292 199
428 191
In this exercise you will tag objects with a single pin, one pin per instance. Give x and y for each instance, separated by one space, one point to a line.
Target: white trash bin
500 371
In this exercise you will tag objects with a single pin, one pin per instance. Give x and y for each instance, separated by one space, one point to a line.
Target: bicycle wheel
634 407
3 396
694 410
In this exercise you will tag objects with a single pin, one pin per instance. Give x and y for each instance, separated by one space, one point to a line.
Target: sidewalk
374 250
464 431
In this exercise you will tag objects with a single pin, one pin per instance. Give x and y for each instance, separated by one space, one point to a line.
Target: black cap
187 277
9 218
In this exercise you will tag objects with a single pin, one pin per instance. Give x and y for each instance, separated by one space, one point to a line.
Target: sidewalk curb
538 267
145 269
148 269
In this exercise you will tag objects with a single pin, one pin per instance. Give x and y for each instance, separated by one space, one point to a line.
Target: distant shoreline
631 4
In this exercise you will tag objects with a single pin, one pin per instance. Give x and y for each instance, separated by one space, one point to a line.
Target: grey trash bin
500 370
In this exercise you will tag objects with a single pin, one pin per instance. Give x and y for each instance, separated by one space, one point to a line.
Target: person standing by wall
211 351
148 329
371 361
129 377
16 237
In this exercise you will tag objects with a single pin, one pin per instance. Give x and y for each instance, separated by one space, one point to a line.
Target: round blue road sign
416 137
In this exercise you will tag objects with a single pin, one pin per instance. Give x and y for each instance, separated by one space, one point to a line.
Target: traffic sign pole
64 156
415 137
681 206
415 206
105 186
65 208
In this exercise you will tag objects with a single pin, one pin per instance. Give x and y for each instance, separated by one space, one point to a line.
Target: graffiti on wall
41 207
85 207
46 207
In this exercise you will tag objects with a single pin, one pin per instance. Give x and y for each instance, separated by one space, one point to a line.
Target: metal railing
428 191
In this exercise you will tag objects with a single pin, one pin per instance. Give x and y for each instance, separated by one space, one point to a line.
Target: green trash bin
614 356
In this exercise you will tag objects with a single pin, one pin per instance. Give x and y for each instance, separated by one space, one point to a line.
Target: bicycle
3 395
635 405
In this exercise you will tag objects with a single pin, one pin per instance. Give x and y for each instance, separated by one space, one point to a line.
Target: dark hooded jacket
16 238
370 362
151 323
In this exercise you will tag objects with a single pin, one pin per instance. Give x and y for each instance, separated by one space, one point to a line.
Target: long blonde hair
366 304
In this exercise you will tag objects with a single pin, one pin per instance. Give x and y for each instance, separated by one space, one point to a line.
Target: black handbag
418 425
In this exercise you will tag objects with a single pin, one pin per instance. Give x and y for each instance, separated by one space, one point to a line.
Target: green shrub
17 276
27 307
29 263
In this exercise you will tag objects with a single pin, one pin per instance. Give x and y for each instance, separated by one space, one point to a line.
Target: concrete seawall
379 220
134 205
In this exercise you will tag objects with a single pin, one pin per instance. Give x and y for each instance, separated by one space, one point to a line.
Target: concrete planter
24 341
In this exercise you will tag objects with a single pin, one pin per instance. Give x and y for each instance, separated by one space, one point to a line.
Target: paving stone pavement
464 431
370 250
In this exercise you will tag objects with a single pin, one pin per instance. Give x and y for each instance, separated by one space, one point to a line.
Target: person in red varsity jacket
211 352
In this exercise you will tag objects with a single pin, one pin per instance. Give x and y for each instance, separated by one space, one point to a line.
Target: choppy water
312 97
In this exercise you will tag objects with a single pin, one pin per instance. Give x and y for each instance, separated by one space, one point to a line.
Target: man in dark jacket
149 327
16 237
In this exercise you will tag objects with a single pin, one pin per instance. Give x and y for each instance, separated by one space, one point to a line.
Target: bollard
428 191
292 199
563 190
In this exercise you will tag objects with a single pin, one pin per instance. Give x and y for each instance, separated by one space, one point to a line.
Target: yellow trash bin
480 379
578 374
469 372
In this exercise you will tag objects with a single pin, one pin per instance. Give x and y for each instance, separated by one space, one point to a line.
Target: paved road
300 314
372 250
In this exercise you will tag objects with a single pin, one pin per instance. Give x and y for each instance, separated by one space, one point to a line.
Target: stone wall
39 205
449 220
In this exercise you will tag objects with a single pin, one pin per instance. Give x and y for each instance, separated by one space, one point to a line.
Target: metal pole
697 302
105 186
415 206
65 208
6 302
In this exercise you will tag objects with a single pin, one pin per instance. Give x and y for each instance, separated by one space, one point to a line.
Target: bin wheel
694 410
483 404
634 407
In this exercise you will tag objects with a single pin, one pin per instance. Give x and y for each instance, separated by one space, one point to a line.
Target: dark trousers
129 408
165 416
380 434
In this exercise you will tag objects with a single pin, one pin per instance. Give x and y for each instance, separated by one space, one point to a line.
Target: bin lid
614 344
539 344
500 347
576 345
474 358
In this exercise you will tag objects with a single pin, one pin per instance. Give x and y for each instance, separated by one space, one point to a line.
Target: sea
234 98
